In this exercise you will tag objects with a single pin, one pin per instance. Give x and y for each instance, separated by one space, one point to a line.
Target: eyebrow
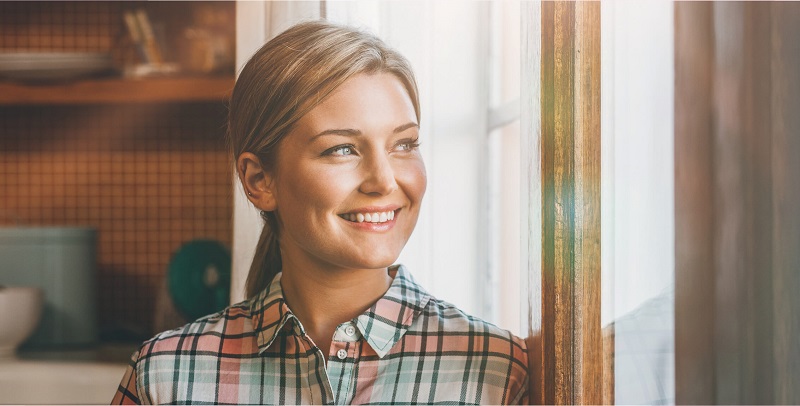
349 132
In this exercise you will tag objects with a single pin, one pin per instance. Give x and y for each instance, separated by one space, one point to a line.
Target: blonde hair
290 75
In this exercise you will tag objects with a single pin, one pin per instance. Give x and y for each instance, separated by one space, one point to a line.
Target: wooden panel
694 204
756 278
560 217
786 200
566 346
728 221
550 356
738 222
608 366
588 335
742 192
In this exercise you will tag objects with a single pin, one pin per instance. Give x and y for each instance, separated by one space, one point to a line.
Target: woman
324 128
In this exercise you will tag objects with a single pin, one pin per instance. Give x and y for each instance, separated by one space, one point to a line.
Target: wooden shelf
171 89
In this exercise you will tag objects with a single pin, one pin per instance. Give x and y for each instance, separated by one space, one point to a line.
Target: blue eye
341 150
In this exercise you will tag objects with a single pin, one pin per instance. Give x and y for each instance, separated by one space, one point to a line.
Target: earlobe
256 181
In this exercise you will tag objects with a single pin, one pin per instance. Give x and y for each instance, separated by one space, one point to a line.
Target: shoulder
172 359
449 319
455 329
203 334
496 353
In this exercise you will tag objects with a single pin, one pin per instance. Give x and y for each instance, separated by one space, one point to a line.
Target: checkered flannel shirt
408 347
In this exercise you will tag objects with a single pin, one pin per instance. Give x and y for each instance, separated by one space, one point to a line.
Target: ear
257 182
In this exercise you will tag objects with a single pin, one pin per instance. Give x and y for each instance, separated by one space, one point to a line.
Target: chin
364 254
378 264
374 261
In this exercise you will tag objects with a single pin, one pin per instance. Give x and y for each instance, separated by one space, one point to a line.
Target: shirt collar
382 325
269 313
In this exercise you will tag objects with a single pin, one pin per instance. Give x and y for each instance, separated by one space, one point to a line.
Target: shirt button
342 354
350 330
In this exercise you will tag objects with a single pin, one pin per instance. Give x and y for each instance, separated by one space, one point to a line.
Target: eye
408 144
340 150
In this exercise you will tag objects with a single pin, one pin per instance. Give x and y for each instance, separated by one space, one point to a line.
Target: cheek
316 187
414 179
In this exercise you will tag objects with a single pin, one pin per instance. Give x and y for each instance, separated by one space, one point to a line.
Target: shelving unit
143 160
149 90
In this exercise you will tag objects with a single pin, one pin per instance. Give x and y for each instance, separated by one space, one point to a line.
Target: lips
372 216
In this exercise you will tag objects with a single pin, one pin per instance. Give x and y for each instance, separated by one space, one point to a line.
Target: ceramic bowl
20 311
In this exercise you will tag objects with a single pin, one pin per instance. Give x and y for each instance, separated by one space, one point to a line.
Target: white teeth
378 217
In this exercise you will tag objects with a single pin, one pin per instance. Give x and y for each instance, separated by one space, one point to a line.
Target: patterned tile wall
148 177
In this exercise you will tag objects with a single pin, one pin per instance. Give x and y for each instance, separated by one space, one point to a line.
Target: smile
376 217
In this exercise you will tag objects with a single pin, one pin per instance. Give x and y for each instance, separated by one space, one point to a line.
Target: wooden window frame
561 202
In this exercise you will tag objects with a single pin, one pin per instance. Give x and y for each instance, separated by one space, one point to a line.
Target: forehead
364 102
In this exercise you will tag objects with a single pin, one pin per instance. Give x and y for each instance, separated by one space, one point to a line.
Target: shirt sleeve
127 394
520 374
522 397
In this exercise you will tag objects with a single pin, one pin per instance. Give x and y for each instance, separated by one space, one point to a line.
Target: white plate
52 66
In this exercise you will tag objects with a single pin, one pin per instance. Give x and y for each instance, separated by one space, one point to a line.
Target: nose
379 177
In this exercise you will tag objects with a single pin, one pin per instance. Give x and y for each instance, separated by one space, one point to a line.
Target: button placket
341 367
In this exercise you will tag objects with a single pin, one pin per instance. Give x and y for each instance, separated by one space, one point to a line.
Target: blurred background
120 216
112 159
138 156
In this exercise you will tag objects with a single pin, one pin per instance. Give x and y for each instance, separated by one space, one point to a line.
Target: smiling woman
324 130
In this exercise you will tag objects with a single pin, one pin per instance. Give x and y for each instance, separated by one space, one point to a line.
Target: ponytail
267 260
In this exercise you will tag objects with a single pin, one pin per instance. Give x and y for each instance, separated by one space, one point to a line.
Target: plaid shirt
408 347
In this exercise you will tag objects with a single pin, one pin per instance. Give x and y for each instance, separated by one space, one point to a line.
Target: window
466 56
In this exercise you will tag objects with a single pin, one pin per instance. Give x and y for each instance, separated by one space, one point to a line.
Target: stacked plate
53 66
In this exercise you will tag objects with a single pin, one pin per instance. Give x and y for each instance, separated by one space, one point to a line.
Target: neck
323 298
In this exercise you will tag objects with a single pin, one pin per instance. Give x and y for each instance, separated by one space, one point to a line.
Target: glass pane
638 198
